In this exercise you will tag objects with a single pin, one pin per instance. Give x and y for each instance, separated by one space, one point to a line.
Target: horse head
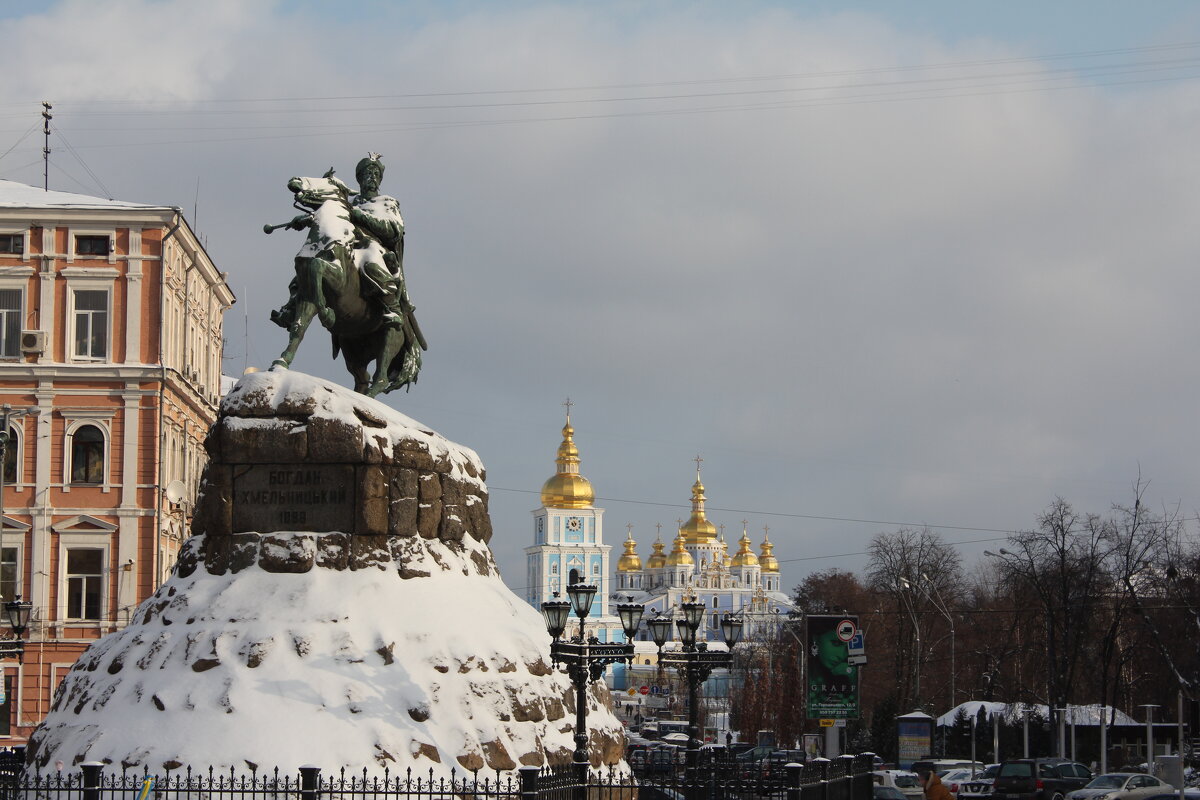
313 192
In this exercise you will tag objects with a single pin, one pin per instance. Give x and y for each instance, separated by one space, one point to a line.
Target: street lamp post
694 661
940 605
1149 736
585 658
908 604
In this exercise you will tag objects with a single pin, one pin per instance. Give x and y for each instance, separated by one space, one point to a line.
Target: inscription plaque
294 497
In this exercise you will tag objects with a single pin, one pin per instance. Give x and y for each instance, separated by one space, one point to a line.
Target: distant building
700 568
569 546
110 338
568 543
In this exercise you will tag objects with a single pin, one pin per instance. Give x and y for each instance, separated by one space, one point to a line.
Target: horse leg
304 314
393 341
311 274
357 366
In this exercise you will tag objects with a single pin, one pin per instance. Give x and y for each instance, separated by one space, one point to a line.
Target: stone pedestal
337 605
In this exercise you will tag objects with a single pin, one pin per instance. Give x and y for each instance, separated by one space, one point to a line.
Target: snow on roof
1078 715
21 195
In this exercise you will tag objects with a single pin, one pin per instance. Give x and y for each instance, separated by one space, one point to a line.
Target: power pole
46 147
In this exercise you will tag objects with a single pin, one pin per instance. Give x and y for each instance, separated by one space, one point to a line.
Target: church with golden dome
699 566
569 547
568 541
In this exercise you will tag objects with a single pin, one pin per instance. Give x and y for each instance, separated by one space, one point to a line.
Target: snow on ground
337 668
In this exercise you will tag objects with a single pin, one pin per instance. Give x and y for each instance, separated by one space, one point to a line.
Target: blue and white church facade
568 543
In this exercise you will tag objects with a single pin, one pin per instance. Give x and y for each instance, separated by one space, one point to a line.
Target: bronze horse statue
339 280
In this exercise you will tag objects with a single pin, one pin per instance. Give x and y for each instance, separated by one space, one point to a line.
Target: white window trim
74 425
111 233
22 286
17 670
17 444
100 540
89 284
17 532
8 230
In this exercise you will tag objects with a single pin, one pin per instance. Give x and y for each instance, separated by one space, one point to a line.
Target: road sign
846 630
632 691
856 650
828 723
644 690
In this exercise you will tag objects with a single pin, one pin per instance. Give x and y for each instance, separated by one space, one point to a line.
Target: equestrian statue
350 276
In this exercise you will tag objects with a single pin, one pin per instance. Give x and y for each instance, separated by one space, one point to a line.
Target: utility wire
82 163
703 81
22 138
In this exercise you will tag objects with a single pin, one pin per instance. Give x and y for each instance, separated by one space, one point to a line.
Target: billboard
831 681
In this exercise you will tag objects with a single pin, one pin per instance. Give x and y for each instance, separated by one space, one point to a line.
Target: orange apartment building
110 341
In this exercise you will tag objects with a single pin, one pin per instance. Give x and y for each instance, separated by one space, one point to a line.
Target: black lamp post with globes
694 661
586 657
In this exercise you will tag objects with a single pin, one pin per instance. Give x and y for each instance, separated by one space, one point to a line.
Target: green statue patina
350 276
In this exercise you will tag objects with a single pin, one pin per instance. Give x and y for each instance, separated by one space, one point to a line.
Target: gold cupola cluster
629 560
698 530
657 559
680 557
745 557
567 488
767 559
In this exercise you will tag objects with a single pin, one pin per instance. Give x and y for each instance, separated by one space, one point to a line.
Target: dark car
886 793
979 787
772 765
1039 779
652 761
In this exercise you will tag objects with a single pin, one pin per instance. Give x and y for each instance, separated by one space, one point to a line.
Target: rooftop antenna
46 117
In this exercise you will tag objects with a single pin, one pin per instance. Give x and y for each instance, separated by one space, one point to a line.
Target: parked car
1121 786
652 761
900 779
1039 779
879 792
953 778
979 787
772 765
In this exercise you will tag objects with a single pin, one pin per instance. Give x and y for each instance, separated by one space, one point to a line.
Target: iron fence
845 778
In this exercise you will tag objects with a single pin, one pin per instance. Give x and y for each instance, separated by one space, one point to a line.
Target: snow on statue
350 276
336 605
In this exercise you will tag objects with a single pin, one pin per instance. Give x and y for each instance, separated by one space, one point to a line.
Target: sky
878 264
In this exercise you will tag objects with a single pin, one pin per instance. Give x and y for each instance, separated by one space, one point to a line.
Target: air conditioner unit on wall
33 341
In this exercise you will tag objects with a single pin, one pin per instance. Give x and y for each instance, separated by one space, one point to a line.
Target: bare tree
1061 565
910 569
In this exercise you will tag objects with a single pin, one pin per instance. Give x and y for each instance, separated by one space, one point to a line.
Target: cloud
853 301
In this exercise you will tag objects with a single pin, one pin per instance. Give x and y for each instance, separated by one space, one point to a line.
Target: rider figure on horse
376 242
379 240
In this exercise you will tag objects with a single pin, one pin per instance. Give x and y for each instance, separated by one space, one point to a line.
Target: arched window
12 449
87 455
574 578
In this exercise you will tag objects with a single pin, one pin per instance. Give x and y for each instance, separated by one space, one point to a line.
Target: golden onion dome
657 559
680 557
745 556
629 560
698 530
767 558
567 488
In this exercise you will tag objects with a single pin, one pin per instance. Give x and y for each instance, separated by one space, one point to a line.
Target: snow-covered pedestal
337 605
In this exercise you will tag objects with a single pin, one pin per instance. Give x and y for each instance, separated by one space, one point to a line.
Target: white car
900 779
1121 786
953 779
